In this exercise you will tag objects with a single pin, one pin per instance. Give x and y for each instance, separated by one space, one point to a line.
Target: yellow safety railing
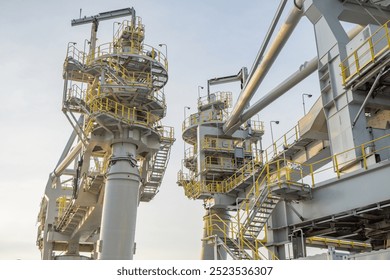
123 113
282 143
257 154
76 54
76 92
224 145
136 32
181 176
132 78
110 48
62 203
241 175
167 133
338 242
204 117
285 172
89 126
278 173
99 92
312 173
128 115
256 126
338 163
192 189
189 153
229 230
220 96
366 53
217 162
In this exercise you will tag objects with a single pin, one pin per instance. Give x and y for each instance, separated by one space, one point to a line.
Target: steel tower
117 154
276 207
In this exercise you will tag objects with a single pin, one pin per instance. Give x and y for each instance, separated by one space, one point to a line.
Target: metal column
120 204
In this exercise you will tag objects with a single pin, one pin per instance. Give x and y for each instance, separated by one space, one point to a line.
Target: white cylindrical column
120 204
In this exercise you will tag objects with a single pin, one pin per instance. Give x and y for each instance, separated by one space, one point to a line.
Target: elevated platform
354 207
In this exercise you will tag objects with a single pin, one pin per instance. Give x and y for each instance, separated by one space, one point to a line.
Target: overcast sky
205 39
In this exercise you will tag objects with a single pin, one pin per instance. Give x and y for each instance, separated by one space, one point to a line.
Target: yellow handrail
123 113
222 96
62 203
204 117
137 31
280 145
337 242
285 169
257 126
229 229
365 54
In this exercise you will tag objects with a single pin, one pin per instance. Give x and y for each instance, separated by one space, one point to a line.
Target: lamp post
166 49
86 41
303 101
113 29
185 117
166 54
199 88
186 108
272 134
71 43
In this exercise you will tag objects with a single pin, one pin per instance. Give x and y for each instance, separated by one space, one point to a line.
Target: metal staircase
227 234
240 234
156 170
234 249
258 216
71 218
95 184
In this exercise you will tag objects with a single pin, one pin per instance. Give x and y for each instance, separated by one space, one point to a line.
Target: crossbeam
104 16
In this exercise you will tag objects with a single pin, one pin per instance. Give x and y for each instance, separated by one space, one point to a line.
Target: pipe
68 159
252 85
268 36
304 71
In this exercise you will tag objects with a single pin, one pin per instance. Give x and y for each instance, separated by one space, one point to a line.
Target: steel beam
103 16
304 71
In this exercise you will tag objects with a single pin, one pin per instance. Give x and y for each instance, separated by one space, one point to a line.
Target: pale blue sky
205 39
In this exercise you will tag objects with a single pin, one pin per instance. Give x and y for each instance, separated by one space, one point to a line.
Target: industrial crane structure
118 151
272 203
260 203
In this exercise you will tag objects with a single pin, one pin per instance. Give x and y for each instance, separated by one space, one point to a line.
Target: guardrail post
343 72
371 49
356 62
364 157
336 165
387 35
312 175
